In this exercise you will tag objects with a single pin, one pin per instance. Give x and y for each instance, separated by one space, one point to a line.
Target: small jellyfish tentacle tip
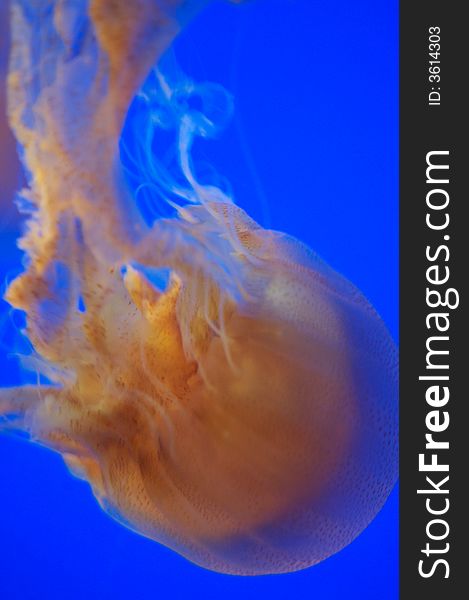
19 405
244 412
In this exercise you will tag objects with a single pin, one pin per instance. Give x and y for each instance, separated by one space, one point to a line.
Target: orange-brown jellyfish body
9 163
246 415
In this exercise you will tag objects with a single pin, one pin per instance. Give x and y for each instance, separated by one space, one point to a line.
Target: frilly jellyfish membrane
223 390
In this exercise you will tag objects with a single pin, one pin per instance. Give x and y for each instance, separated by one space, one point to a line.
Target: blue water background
312 150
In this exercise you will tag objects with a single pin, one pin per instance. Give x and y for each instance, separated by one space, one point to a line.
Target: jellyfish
242 409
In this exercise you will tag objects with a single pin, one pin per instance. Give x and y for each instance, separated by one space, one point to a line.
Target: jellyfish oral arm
19 399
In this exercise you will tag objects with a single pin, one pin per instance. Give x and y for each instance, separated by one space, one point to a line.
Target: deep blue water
312 150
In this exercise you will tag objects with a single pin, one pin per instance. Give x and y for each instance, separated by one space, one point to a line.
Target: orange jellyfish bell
244 415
